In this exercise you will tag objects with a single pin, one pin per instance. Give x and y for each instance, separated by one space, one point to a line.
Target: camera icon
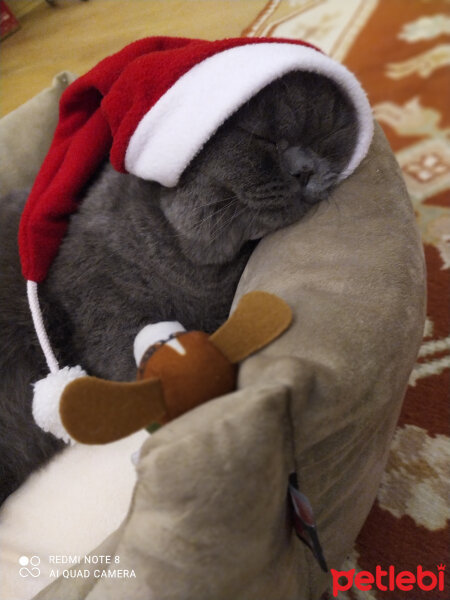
29 566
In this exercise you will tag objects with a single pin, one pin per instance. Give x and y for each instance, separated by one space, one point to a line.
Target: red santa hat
152 107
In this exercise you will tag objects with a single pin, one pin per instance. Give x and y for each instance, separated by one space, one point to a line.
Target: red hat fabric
152 106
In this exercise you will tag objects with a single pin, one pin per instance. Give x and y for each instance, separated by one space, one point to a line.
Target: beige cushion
26 133
208 515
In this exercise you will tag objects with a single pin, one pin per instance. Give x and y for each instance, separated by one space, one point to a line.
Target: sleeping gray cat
137 253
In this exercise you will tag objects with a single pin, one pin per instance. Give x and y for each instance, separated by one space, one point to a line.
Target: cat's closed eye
258 136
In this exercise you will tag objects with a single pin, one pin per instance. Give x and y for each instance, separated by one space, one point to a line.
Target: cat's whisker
196 226
223 226
214 202
214 214
221 218
255 215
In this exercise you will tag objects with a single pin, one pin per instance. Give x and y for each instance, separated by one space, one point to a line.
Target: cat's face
265 167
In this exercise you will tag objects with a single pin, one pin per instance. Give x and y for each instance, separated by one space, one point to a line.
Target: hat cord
38 321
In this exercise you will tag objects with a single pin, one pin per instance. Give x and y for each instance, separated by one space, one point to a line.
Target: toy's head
192 370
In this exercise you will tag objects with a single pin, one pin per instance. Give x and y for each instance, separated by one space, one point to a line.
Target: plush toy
177 371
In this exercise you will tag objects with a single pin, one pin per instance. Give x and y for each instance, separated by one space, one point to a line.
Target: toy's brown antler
97 411
259 318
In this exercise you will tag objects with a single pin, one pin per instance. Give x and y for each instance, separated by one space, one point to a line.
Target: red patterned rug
400 50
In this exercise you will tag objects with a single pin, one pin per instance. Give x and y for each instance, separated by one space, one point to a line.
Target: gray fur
137 253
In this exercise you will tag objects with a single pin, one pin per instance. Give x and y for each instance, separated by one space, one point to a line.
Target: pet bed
207 517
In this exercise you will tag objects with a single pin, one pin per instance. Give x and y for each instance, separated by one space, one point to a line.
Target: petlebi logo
29 566
391 579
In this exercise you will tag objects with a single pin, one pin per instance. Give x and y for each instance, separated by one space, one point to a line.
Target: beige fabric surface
354 273
208 515
26 134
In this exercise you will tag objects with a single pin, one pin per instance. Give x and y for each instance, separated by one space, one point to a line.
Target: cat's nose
299 163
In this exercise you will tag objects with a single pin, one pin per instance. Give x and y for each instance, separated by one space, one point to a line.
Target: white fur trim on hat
174 130
47 394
